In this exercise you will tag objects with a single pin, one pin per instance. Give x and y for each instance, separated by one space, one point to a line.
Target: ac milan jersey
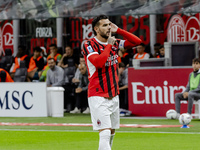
102 81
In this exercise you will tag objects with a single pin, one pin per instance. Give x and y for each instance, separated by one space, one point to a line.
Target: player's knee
177 96
105 133
190 95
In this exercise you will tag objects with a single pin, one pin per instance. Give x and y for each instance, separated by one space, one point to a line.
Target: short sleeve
121 44
87 48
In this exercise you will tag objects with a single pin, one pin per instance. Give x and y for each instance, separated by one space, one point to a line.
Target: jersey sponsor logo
90 49
112 60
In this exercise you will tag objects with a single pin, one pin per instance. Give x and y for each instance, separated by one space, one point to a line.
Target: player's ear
96 28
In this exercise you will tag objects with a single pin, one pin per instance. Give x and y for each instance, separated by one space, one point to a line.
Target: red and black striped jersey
103 72
104 80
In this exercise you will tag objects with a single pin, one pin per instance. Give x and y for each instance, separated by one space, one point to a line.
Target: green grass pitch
83 138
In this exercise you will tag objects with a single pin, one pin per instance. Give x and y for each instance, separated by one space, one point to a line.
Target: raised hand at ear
114 27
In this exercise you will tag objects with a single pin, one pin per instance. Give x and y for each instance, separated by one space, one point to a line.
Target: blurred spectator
44 54
21 73
53 54
123 57
36 65
68 58
69 87
123 86
60 50
21 56
55 75
161 52
141 54
7 60
156 49
4 75
71 82
44 74
81 92
148 50
192 90
77 73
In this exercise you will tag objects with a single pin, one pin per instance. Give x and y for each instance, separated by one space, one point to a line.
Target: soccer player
101 53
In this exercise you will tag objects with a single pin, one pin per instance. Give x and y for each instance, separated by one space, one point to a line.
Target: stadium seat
21 73
69 73
197 109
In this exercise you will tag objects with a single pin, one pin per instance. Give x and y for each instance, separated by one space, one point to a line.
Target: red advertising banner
183 28
151 91
179 28
81 29
6 36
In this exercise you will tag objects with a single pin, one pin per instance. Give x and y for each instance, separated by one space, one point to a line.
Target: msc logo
16 100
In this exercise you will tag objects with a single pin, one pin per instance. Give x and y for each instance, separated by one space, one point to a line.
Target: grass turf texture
32 140
83 138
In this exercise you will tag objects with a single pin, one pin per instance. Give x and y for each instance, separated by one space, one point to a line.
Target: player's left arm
131 39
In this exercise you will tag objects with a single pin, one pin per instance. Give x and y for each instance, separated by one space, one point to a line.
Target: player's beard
103 35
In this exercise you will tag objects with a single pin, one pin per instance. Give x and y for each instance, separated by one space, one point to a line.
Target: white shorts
104 112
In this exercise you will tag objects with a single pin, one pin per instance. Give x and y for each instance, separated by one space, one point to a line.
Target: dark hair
38 49
157 44
161 46
22 47
142 44
96 20
53 45
196 60
21 51
81 56
121 65
8 52
51 59
68 46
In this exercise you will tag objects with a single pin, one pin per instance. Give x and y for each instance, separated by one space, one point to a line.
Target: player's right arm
131 39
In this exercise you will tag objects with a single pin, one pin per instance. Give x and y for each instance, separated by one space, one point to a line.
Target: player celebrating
101 54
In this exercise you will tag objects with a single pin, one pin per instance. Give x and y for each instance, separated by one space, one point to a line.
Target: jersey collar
105 43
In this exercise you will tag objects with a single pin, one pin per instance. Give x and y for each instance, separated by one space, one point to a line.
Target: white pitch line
97 131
